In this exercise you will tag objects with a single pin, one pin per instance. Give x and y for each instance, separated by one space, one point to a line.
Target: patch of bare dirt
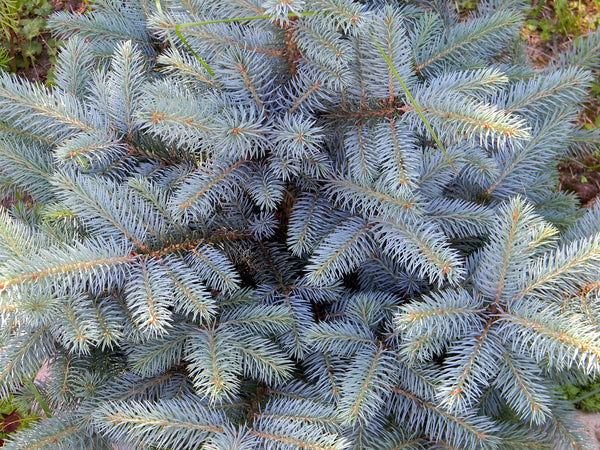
38 72
591 421
581 176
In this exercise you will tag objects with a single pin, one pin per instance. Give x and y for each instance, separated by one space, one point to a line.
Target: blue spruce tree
315 224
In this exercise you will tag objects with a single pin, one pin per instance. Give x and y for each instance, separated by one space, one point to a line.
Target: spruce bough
253 237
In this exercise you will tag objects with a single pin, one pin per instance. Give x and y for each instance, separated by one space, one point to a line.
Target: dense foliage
244 234
586 398
22 34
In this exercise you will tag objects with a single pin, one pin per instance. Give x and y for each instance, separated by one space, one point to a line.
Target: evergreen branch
321 44
516 165
214 268
191 297
486 32
472 118
129 386
588 223
460 219
157 199
469 366
92 151
449 313
125 87
324 370
421 380
108 322
568 430
161 422
198 192
309 222
361 153
55 432
370 375
111 21
422 248
294 342
541 92
340 338
126 385
456 430
76 327
263 360
396 145
278 245
236 37
232 438
313 87
558 270
72 70
179 26
243 71
276 270
16 239
479 83
159 355
371 201
61 114
179 64
148 297
563 339
91 199
350 114
286 433
506 255
6 128
30 166
88 260
299 410
258 319
381 273
529 399
585 53
265 188
20 358
335 257
348 15
171 112
213 363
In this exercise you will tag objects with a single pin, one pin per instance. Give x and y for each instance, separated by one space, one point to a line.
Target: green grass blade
414 103
39 398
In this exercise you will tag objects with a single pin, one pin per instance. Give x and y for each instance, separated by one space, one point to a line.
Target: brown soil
69 5
581 176
39 70
541 52
591 421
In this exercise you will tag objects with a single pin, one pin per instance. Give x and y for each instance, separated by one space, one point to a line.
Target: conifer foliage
243 234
